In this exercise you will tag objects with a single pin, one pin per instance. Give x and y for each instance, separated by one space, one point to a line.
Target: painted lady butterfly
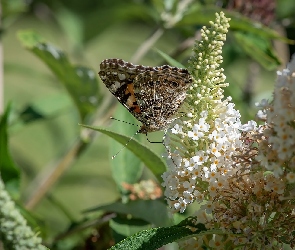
152 95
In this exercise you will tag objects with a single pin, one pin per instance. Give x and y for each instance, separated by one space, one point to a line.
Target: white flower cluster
203 171
14 230
278 155
242 176
202 144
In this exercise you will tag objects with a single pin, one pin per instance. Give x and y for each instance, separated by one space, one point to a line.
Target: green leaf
259 48
80 82
110 14
9 173
285 9
45 108
72 26
152 211
12 8
201 15
170 60
148 157
125 227
157 237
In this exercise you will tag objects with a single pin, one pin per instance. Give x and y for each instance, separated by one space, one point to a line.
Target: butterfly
153 95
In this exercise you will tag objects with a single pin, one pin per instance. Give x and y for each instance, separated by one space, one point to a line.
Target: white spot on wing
115 86
122 76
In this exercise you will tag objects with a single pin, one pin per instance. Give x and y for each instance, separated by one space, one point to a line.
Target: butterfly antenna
124 122
129 138
125 144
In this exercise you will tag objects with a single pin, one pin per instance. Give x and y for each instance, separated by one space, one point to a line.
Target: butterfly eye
174 84
151 83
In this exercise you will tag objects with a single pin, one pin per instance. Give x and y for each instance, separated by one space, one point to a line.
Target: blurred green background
44 130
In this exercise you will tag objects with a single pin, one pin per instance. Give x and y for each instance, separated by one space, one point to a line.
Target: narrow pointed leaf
148 157
9 173
260 49
170 60
124 227
155 238
152 211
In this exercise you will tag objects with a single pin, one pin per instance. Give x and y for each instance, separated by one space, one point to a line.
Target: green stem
146 45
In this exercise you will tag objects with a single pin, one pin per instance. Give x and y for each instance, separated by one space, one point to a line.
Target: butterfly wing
119 77
152 95
159 94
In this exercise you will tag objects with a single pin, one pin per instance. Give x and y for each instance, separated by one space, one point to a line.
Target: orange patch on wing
132 99
130 89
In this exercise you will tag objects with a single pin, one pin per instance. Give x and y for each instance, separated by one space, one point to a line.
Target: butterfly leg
153 141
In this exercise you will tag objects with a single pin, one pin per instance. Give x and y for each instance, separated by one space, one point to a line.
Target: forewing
160 93
152 94
118 76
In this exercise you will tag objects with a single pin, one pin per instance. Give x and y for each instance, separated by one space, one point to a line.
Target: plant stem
1 67
41 185
56 173
146 45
